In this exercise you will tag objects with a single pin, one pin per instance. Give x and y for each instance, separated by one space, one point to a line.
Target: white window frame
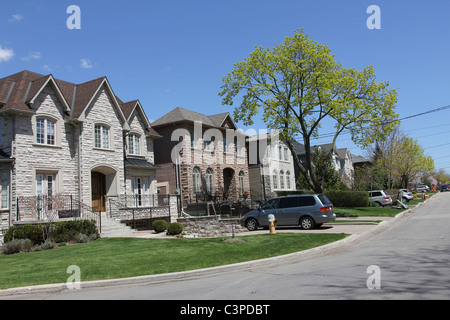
196 180
102 139
210 181
47 128
4 189
241 182
140 191
134 144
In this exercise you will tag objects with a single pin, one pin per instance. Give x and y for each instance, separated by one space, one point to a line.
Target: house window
45 131
4 189
134 144
288 180
45 184
275 179
225 144
196 180
280 152
282 179
238 147
209 181
140 191
101 136
241 182
286 154
193 141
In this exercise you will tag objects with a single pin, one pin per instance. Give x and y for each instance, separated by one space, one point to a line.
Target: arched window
45 131
275 179
196 180
281 179
209 181
134 144
288 180
241 182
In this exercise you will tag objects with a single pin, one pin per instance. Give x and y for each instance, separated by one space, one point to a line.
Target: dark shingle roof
184 115
17 91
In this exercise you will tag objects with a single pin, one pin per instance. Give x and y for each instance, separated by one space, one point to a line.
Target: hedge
337 198
61 231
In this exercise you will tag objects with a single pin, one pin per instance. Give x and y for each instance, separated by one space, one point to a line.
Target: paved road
412 254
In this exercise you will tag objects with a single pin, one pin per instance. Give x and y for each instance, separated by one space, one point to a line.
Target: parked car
405 195
380 197
445 187
307 211
423 188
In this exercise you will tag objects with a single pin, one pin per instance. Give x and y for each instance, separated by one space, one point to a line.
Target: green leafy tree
298 85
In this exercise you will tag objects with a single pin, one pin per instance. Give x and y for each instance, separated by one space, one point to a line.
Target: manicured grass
367 212
127 257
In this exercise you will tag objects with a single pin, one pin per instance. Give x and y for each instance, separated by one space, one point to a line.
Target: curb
201 273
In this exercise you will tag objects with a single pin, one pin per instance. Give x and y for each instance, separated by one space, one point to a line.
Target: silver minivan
307 211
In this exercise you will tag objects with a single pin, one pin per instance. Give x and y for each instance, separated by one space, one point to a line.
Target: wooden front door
98 191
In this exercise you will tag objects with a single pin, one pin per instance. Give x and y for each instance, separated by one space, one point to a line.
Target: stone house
201 157
273 169
77 140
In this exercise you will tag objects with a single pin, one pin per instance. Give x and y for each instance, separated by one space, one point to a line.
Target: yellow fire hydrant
271 218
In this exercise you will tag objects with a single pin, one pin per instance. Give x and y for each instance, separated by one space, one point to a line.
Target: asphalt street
407 258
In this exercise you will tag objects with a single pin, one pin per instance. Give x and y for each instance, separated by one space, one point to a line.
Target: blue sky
173 54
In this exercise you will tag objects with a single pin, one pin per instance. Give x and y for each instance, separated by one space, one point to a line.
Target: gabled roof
19 91
129 107
184 115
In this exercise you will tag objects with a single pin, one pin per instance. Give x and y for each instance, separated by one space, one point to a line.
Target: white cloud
32 56
46 67
15 18
86 64
6 54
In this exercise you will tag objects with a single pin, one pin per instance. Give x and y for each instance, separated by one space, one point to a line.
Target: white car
405 195
423 188
380 197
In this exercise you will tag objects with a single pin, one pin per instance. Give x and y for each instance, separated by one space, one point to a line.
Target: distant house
341 160
274 169
74 140
201 157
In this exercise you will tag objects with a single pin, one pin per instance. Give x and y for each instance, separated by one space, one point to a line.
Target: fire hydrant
271 218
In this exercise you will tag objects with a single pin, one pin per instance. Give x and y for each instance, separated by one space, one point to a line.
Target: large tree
298 85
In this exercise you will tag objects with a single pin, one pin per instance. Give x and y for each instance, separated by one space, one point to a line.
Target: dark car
307 211
444 187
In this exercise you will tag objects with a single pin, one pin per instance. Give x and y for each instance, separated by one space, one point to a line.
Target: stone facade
58 138
208 227
201 159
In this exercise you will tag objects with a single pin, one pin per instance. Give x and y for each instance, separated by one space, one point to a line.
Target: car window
271 204
306 201
289 202
375 194
324 199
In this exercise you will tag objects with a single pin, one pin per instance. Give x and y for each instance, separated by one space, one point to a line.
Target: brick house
60 138
201 156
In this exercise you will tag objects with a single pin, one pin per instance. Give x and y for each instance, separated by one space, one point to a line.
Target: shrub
61 231
159 225
174 228
47 245
348 198
17 245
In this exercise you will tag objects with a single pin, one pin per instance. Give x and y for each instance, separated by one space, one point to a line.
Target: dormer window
134 144
45 131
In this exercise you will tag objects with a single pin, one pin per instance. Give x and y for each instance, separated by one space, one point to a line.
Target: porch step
114 228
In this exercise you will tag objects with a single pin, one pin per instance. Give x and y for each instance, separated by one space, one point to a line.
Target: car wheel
251 224
307 223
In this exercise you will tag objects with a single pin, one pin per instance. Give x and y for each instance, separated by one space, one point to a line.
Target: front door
98 191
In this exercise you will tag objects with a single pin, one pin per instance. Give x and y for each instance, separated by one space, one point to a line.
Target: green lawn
367 212
127 257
